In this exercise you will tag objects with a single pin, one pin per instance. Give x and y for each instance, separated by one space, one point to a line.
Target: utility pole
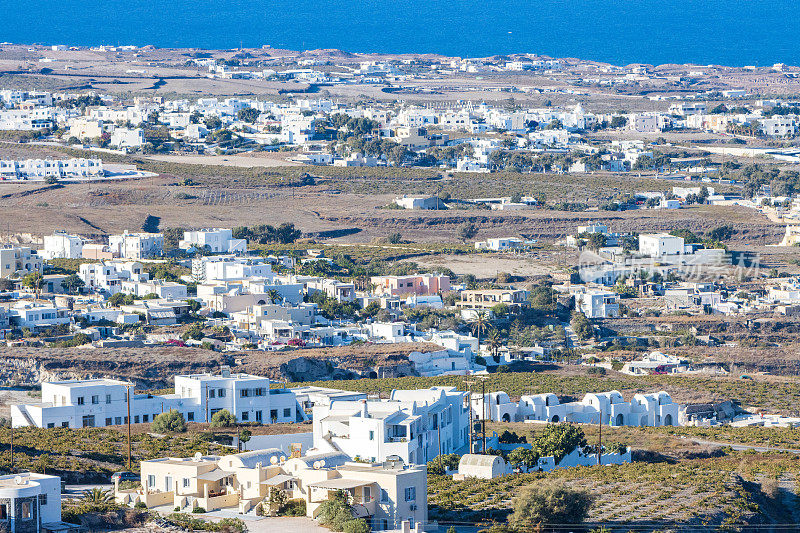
128 395
468 385
600 439
439 433
12 447
483 422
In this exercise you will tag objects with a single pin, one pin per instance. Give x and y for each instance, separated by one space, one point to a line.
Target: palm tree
96 495
480 325
495 342
274 296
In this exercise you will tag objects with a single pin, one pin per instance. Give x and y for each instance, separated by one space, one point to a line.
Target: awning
214 475
280 479
340 484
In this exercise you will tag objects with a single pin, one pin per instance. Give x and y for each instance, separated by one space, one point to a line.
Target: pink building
420 284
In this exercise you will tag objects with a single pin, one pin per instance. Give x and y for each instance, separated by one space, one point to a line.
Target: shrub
198 510
222 419
295 507
170 422
359 525
140 505
441 463
549 502
334 512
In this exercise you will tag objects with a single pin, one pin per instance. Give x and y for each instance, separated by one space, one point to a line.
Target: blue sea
729 32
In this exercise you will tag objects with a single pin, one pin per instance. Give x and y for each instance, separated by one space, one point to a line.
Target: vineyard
710 494
83 455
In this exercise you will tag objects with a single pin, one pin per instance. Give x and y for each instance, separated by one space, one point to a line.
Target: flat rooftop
89 382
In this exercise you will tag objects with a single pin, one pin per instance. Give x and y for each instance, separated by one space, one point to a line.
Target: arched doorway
506 418
668 420
555 418
620 420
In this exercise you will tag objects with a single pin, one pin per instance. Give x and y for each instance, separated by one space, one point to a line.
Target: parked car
124 476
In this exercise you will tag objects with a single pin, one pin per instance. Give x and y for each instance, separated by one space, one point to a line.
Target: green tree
549 505
581 326
222 419
43 462
558 440
248 114
172 237
274 296
618 121
595 241
120 298
523 457
72 283
170 422
480 325
395 238
34 281
213 122
722 233
467 231
244 437
441 463
334 512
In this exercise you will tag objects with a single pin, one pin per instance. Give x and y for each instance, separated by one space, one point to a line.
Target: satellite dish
18 480
198 456
273 460
316 465
283 458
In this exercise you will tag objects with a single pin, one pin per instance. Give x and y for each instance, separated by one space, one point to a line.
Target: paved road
76 491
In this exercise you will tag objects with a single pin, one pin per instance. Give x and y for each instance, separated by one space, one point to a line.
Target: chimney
225 371
364 411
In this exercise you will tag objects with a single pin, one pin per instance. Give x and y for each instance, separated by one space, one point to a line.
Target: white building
39 169
418 202
655 409
108 276
415 425
136 245
217 240
34 315
62 245
127 138
104 402
597 303
441 363
31 503
229 268
501 244
660 244
779 126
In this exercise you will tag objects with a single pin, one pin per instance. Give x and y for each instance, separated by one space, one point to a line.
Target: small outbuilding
481 466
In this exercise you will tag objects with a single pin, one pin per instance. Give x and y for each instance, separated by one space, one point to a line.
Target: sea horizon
620 32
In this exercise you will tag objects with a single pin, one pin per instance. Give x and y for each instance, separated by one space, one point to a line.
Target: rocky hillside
155 367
